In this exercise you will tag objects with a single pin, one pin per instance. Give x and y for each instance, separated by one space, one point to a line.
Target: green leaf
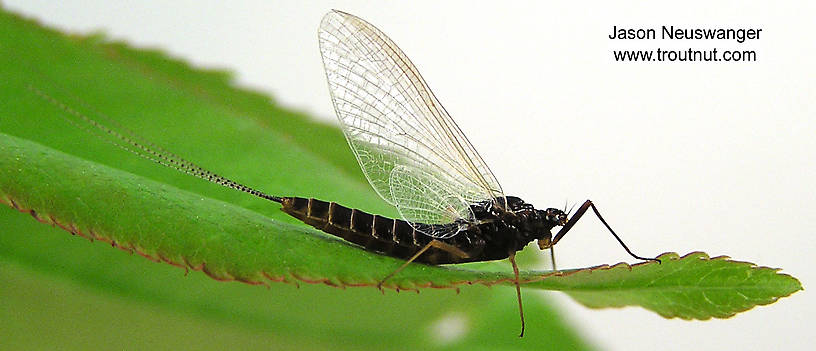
61 175
231 243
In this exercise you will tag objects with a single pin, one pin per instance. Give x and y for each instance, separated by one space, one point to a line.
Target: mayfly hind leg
434 243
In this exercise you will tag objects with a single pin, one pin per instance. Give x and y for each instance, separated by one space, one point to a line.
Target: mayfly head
546 220
556 216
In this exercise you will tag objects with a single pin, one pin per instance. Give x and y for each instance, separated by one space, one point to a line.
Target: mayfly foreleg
581 210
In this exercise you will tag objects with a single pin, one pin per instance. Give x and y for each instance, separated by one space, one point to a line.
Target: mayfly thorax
452 209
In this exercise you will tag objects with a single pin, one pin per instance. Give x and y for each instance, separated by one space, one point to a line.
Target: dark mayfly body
413 154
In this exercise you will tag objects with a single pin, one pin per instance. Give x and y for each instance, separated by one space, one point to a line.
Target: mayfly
413 154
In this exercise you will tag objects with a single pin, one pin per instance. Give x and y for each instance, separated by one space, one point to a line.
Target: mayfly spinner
414 155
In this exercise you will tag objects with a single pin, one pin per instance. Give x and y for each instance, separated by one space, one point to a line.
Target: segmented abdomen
389 236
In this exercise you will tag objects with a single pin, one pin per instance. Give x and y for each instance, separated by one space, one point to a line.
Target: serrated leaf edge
295 278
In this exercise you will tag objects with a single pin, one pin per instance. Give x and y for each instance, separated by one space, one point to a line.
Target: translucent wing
411 151
432 206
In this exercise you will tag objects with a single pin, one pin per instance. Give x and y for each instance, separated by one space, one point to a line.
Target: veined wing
408 146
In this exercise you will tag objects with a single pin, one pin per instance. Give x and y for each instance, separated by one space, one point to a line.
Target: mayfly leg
434 243
457 252
512 259
587 205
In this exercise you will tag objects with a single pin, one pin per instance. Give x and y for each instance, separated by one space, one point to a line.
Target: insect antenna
132 143
570 209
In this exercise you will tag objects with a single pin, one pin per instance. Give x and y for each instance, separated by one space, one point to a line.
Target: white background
717 157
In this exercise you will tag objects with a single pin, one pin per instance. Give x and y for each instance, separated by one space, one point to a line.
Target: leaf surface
232 243
63 176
